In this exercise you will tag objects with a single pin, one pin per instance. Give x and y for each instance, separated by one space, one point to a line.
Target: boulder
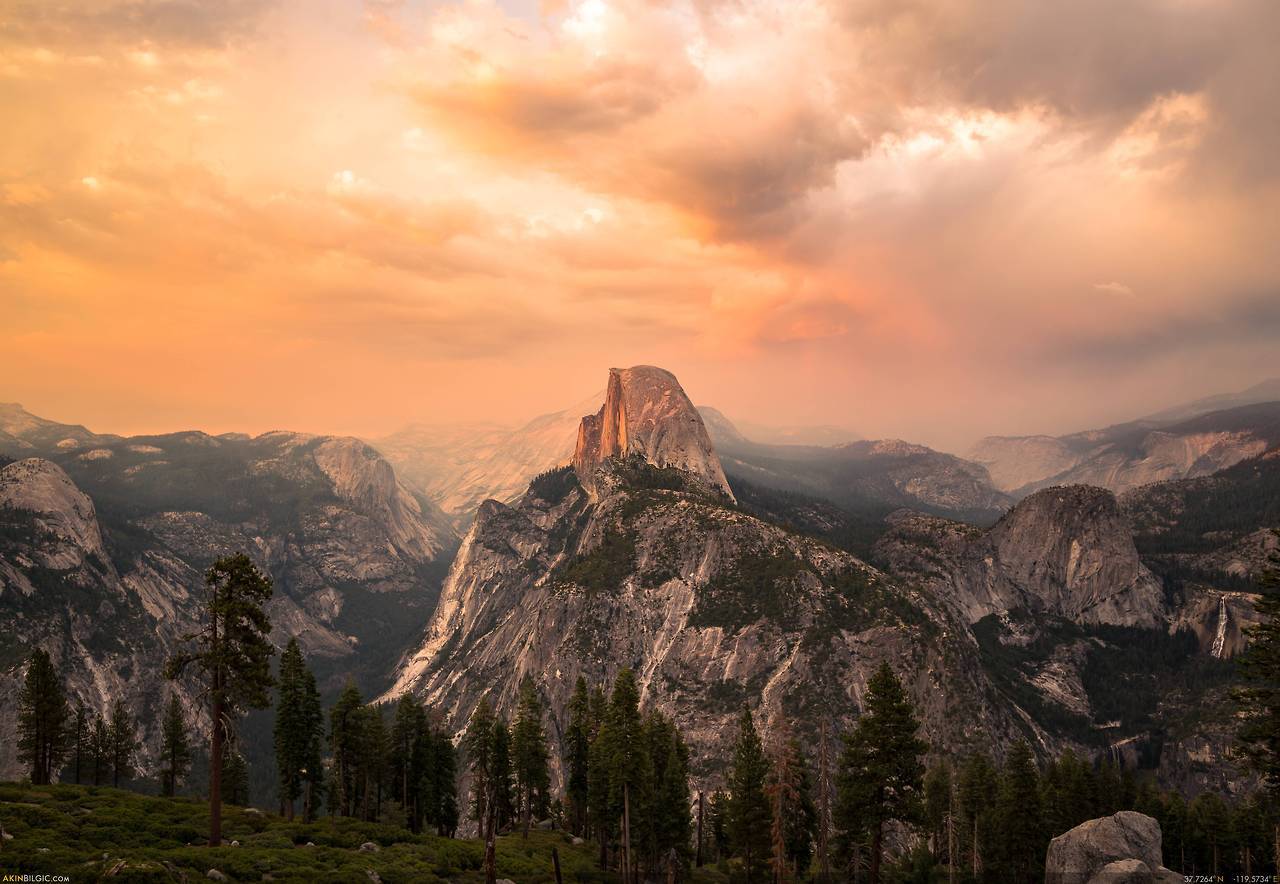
1075 857
369 847
215 875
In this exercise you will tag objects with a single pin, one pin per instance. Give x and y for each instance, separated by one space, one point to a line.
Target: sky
926 220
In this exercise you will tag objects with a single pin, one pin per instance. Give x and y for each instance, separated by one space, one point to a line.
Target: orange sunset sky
932 220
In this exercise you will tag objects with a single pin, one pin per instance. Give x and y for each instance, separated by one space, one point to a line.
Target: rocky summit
647 414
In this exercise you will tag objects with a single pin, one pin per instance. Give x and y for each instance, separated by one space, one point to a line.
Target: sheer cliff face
646 413
1065 551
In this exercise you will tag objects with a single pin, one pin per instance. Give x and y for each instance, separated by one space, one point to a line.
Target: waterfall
1220 639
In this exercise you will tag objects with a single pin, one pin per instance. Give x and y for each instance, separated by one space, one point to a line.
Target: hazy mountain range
663 537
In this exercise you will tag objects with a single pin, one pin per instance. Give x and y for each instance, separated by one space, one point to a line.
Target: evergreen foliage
293 732
233 654
880 777
748 820
123 743
529 756
175 751
577 744
44 736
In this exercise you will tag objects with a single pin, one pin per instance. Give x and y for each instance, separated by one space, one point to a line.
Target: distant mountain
1128 455
460 466
1264 391
104 541
869 477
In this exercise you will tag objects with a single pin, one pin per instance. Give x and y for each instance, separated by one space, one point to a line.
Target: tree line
858 806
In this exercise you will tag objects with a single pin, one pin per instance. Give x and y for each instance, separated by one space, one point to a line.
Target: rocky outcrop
63 525
1120 849
1063 551
647 414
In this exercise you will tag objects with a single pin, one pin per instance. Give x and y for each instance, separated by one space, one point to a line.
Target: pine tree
1018 817
577 745
123 742
627 768
345 732
716 817
43 733
234 654
1259 698
748 819
291 737
937 806
409 741
175 752
504 793
791 806
312 724
235 780
672 822
101 743
479 745
373 755
976 799
1210 835
881 771
529 755
444 774
82 742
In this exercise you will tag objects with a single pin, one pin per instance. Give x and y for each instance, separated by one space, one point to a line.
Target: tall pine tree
312 723
748 821
791 805
1018 818
43 733
124 743
291 735
346 726
234 654
529 755
100 742
577 749
82 742
881 769
175 752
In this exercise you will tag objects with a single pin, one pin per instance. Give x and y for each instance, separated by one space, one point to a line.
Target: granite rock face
1124 847
1065 551
646 413
64 523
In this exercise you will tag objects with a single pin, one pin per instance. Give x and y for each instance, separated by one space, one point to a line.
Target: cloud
179 23
1114 288
933 214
